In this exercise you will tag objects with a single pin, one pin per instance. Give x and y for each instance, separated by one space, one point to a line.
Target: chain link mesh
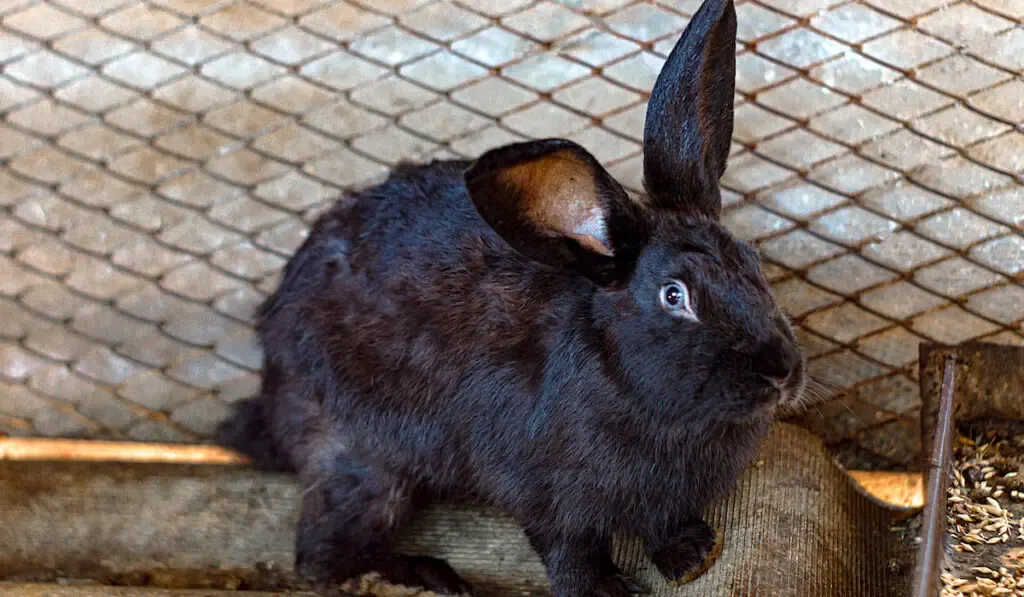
159 162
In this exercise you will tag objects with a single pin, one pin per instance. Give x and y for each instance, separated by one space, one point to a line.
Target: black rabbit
520 330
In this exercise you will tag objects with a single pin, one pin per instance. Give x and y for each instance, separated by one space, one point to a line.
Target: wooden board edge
905 490
42 449
13 589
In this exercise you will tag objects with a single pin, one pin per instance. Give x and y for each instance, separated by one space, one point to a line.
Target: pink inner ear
591 232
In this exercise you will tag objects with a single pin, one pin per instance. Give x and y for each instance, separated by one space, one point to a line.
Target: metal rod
933 527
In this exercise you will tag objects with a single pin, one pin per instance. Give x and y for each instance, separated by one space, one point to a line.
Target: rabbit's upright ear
553 202
690 114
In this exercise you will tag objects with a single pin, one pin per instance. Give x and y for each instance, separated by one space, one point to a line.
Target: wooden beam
41 449
905 490
794 526
51 590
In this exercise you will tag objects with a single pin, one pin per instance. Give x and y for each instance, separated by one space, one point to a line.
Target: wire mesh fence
159 162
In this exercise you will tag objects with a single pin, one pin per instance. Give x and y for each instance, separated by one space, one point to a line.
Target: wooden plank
86 590
904 490
795 526
37 448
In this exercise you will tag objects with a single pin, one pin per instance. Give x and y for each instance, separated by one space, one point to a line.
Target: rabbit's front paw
691 556
616 585
423 572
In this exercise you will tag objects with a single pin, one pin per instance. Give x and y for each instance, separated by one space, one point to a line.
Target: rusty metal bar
933 527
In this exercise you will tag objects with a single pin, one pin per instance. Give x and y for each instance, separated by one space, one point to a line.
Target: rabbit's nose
775 360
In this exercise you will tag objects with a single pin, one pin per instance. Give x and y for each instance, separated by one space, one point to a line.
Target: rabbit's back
412 259
421 212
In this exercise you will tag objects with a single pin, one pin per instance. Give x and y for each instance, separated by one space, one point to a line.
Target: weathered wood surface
81 590
795 526
46 448
901 489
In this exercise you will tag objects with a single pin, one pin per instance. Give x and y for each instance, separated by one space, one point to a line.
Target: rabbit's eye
675 298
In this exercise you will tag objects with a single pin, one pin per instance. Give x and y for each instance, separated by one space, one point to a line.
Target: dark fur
412 352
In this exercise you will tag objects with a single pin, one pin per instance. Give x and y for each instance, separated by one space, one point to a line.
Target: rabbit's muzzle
780 364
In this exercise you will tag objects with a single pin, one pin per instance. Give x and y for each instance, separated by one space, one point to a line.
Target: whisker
827 389
847 407
817 390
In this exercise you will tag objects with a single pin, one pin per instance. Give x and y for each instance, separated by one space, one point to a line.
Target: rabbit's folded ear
690 114
553 202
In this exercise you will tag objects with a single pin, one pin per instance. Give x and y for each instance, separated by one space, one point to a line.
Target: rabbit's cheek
786 399
764 403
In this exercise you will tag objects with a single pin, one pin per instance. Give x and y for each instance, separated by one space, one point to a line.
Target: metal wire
159 161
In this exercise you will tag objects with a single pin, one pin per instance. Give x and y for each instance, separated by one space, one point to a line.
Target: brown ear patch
560 195
553 202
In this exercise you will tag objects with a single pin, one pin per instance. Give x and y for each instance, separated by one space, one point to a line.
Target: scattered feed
985 516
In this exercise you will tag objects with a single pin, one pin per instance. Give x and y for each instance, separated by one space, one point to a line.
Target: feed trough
972 529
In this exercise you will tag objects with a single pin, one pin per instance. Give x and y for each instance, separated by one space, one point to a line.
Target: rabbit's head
682 305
